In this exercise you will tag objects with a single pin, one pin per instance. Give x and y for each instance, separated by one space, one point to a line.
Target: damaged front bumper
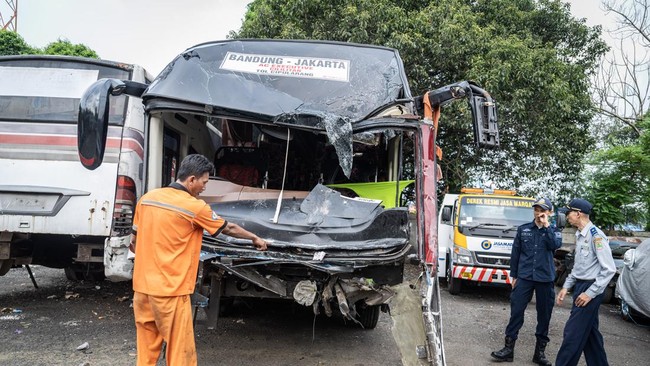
355 285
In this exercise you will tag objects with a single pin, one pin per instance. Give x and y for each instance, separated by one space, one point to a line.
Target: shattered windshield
323 86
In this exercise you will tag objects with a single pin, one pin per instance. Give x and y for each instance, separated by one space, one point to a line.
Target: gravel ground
474 323
45 327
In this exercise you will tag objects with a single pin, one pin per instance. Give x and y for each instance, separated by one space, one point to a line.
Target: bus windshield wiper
509 228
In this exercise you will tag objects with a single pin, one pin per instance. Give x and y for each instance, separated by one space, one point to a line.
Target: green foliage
11 43
620 183
65 48
531 55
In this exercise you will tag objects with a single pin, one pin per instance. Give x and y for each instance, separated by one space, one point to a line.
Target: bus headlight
462 255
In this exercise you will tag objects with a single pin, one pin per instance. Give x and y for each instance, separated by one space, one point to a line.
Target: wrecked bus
313 143
53 212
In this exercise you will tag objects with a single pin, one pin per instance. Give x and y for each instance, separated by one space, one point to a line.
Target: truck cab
476 231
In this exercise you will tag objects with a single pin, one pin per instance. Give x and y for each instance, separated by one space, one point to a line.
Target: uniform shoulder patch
214 215
598 242
593 231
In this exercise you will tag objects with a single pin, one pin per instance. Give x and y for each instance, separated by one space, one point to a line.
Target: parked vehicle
53 212
619 246
476 231
296 128
632 285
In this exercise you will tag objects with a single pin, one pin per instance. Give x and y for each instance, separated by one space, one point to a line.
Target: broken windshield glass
324 86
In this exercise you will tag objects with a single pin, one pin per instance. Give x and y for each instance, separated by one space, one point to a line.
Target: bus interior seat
246 166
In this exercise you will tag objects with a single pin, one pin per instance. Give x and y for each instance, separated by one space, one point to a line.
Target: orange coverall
168 225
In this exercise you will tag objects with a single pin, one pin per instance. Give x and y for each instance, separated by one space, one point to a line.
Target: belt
588 280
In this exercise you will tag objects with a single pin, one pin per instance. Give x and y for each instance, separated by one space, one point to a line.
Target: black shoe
539 357
507 353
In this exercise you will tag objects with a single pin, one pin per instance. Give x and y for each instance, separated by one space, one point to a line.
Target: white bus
53 211
310 140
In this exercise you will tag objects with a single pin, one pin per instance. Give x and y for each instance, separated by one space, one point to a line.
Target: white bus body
54 212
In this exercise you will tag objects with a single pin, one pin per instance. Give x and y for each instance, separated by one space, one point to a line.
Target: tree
11 43
66 48
532 55
619 181
622 87
619 185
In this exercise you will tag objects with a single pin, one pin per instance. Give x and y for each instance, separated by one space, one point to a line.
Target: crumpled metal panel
324 86
323 220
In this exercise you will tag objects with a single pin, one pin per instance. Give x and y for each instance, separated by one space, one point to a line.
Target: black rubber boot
507 353
539 357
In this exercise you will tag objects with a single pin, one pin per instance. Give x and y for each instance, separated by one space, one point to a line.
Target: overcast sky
146 32
152 32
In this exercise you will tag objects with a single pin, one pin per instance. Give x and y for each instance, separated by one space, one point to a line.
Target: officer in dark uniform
532 269
593 268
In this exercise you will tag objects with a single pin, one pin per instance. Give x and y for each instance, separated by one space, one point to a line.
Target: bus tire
5 266
368 315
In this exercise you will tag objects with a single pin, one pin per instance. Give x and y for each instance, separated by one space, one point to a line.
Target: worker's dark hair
194 165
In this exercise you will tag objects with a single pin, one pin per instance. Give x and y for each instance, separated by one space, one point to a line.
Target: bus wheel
5 266
73 275
368 315
453 284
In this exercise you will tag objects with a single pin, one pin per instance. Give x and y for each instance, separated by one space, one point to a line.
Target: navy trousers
519 299
581 332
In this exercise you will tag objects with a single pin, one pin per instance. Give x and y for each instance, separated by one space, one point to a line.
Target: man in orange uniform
167 231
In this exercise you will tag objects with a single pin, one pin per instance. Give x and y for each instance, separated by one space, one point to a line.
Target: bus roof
120 65
300 83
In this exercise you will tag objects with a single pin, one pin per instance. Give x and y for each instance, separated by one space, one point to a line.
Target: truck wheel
453 284
561 278
608 295
368 316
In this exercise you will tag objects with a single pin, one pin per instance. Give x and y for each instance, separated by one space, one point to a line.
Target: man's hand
260 243
543 219
514 280
583 300
561 295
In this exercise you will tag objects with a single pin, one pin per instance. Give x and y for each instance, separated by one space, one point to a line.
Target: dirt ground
45 327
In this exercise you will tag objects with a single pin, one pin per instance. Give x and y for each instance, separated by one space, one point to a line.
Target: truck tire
608 295
453 284
561 278
367 315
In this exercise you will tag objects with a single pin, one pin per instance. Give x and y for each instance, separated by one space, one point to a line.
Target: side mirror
484 113
92 127
446 214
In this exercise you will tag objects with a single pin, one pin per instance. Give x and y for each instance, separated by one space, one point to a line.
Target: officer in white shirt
592 270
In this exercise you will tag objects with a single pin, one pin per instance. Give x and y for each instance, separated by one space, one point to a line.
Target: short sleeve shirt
169 223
